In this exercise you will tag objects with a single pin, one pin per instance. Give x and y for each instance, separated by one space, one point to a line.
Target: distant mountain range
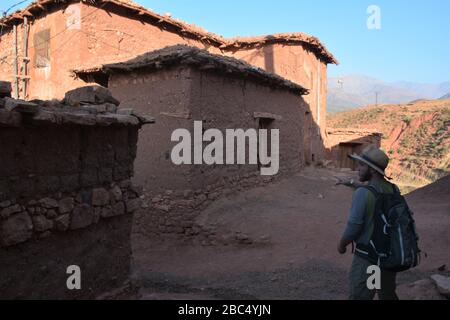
357 91
444 97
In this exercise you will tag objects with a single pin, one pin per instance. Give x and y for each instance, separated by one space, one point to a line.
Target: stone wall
66 196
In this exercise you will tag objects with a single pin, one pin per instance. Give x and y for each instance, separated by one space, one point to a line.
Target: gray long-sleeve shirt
360 223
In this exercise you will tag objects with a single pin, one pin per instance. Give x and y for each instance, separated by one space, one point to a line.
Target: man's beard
366 176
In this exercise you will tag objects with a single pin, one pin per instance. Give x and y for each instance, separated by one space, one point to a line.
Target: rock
82 217
187 194
133 205
51 214
424 289
100 197
44 235
66 205
214 195
49 203
5 213
125 183
42 224
5 204
21 106
125 111
137 190
62 223
16 229
442 284
321 196
442 268
111 107
116 193
90 95
157 199
116 210
164 208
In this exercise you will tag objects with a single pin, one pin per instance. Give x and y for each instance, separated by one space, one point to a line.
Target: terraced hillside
416 136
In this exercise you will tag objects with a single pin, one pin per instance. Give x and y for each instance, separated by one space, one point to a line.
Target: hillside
415 135
357 91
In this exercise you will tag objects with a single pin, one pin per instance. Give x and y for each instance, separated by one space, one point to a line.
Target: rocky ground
291 229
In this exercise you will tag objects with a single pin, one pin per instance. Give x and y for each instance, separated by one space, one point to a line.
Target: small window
42 49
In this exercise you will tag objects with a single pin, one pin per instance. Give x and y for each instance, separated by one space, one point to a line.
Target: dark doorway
265 124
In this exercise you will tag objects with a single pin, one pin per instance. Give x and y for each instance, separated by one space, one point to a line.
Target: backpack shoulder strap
396 189
372 189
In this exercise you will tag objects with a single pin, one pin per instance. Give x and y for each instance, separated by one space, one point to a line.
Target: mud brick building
65 195
182 84
342 142
42 44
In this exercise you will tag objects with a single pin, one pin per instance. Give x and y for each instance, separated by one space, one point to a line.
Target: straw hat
374 158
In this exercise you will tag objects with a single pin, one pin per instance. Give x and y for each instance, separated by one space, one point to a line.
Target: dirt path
294 226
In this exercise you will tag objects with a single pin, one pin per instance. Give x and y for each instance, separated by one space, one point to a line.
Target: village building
342 142
182 84
41 45
66 196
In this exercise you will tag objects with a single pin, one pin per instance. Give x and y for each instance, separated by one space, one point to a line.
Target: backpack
394 242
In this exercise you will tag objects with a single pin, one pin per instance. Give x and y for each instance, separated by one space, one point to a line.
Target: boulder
133 205
21 106
5 213
82 217
100 197
49 203
16 229
66 205
42 224
116 193
90 95
62 223
442 284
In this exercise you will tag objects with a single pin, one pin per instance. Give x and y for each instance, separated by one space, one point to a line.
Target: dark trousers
358 282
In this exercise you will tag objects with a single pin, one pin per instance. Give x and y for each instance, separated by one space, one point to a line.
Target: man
372 164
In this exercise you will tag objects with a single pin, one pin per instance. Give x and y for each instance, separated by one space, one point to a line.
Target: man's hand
341 249
342 246
347 183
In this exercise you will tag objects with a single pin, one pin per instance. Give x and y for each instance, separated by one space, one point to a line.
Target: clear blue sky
413 43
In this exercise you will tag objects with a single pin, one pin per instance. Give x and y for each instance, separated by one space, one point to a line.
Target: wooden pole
16 65
25 58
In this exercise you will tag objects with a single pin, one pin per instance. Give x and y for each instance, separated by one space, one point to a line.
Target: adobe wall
296 63
177 97
65 51
65 199
228 103
166 97
357 137
101 37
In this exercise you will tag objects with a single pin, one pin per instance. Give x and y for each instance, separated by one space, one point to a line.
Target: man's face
364 172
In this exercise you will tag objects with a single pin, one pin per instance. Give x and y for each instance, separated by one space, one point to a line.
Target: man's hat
374 158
